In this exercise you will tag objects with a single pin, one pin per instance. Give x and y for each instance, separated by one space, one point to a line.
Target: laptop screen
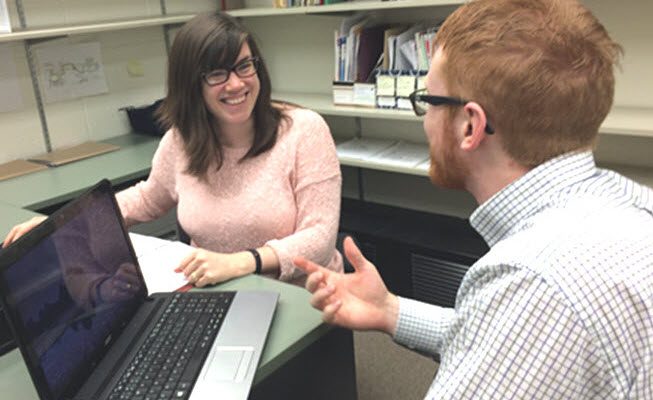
72 284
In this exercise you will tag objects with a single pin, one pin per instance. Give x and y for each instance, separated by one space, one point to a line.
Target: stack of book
358 48
384 152
301 3
376 65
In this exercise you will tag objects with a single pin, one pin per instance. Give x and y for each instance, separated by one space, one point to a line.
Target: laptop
77 304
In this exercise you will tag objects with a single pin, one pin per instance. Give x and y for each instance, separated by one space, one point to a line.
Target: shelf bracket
358 133
34 78
166 31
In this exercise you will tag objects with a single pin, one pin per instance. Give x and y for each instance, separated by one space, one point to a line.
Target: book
405 51
16 168
370 48
73 153
402 154
362 148
389 39
347 39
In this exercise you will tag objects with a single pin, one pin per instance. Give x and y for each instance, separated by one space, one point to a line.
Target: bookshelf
631 121
634 122
637 121
306 80
298 46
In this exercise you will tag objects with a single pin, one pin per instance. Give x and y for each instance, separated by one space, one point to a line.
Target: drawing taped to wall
71 71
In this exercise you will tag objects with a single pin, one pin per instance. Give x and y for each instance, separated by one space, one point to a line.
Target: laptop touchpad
229 363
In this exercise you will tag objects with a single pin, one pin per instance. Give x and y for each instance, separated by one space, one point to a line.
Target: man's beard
447 170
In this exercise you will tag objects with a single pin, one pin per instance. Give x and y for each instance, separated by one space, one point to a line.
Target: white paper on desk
362 148
5 24
71 71
403 154
158 259
11 98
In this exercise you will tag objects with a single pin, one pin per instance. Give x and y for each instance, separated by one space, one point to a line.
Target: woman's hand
203 267
21 229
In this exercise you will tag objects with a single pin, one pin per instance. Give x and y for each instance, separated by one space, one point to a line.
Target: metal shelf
323 104
102 26
379 166
39 33
631 121
338 8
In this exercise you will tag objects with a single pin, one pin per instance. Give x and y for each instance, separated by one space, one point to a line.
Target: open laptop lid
69 287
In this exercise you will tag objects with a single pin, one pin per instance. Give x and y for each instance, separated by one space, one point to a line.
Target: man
562 304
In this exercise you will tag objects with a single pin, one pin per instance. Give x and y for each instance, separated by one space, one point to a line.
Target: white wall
20 130
93 117
629 23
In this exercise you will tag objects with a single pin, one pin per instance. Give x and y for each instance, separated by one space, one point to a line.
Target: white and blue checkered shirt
561 307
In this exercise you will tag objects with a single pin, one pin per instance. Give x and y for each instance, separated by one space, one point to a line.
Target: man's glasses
243 69
421 101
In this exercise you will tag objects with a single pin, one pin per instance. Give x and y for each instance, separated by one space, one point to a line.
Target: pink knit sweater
287 198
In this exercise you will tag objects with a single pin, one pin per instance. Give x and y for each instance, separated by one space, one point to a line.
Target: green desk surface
295 326
55 185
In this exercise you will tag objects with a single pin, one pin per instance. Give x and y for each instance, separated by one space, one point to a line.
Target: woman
255 183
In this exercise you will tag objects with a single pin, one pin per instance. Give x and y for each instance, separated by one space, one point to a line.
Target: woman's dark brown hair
207 42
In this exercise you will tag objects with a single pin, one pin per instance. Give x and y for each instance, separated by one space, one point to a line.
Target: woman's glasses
243 69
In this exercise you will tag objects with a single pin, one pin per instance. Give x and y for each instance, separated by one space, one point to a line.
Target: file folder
74 153
343 93
16 168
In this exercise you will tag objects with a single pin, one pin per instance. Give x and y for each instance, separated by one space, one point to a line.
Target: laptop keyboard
168 362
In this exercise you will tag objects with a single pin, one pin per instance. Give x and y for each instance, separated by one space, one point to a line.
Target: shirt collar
495 218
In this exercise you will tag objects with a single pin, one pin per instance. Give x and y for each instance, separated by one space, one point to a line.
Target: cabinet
419 255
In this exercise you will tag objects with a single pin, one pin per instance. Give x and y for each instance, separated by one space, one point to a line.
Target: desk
11 215
302 359
42 189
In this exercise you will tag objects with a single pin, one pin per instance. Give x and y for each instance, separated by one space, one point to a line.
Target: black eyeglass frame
254 60
439 101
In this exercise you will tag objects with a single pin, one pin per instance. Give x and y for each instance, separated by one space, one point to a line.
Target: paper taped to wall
71 71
